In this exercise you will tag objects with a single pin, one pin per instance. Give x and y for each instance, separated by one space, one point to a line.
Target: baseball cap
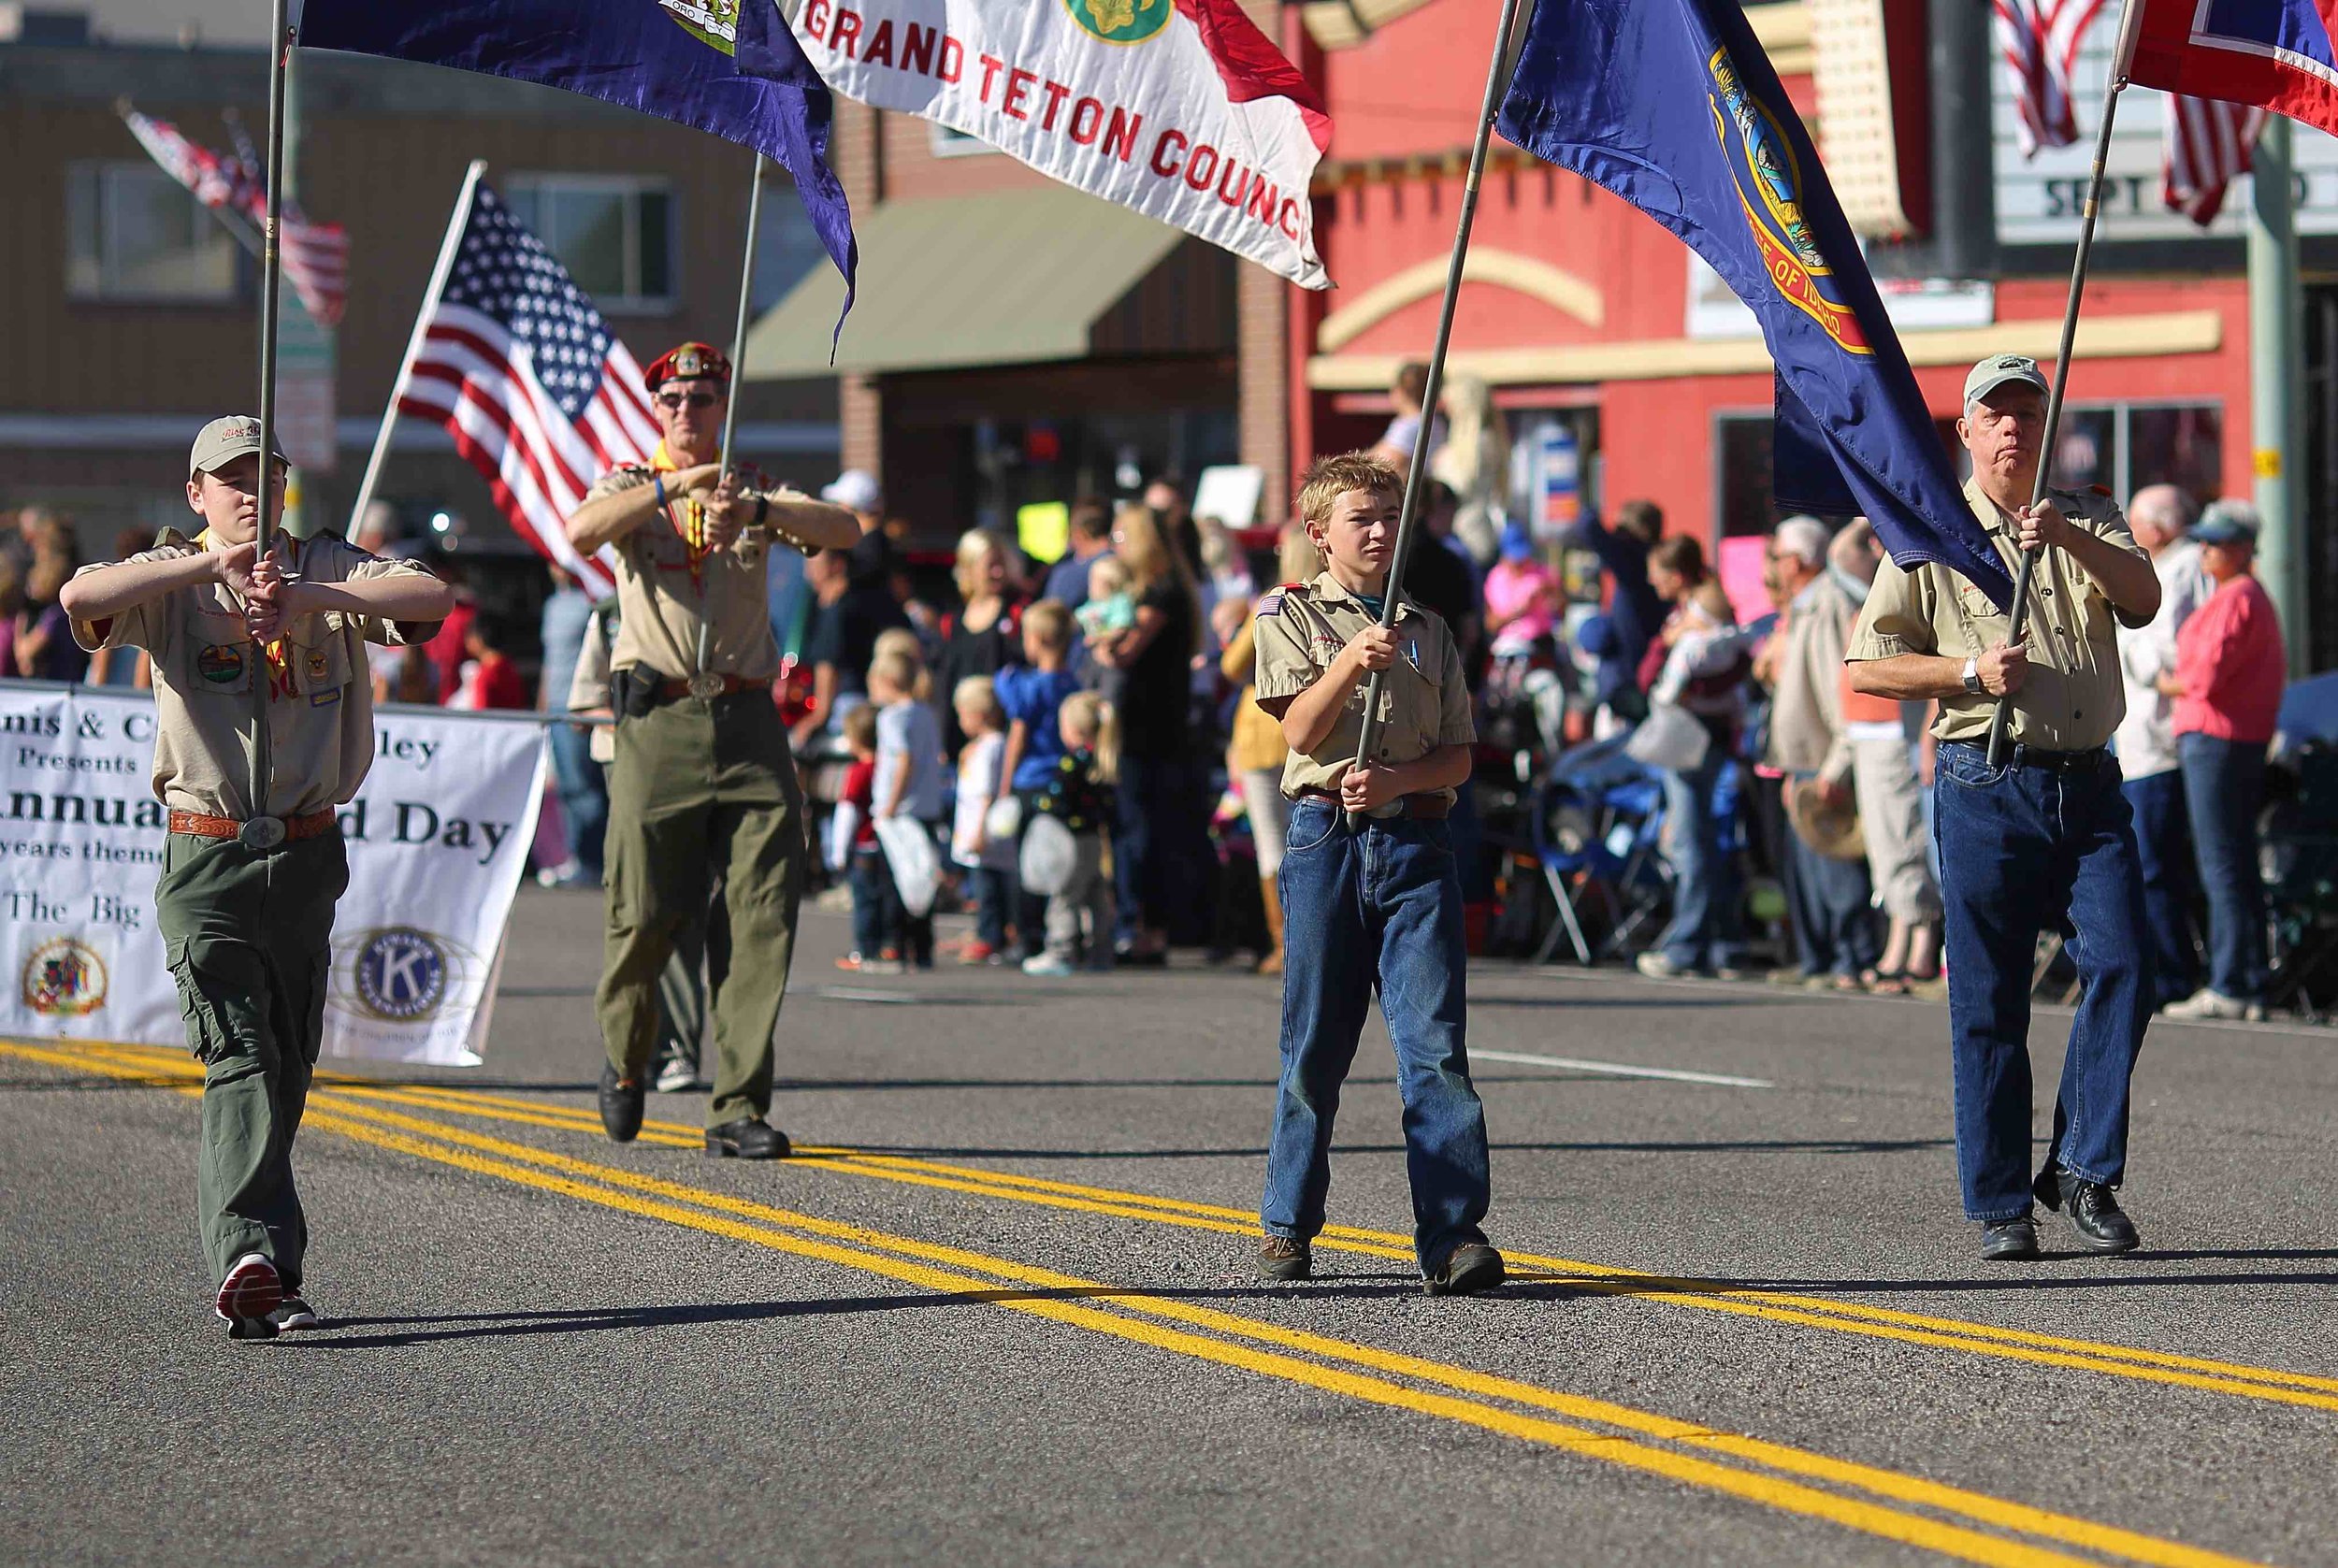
227 439
854 489
2225 521
2003 369
690 362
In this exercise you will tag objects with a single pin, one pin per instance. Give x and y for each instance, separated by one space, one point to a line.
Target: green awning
1004 278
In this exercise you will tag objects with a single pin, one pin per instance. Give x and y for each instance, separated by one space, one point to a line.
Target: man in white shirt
2160 516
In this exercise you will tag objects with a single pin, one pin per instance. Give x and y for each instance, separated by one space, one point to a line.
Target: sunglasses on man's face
696 399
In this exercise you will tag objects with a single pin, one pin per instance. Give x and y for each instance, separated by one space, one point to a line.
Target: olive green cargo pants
700 788
248 934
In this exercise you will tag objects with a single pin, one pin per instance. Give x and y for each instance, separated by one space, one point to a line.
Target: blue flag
1672 106
729 66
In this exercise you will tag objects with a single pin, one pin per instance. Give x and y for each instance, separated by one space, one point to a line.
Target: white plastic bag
1049 854
916 870
1004 819
1669 736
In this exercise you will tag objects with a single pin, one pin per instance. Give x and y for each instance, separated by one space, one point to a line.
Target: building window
2126 446
948 142
616 235
134 233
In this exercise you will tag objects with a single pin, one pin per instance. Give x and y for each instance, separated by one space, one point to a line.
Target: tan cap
2002 369
227 439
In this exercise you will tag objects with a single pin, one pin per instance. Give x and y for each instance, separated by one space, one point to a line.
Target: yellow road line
1957 1334
449 1146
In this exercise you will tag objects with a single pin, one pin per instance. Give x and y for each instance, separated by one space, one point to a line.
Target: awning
1005 278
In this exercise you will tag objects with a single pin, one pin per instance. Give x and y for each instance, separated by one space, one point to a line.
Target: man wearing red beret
703 781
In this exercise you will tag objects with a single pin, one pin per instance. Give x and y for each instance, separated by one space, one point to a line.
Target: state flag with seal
1182 109
1672 106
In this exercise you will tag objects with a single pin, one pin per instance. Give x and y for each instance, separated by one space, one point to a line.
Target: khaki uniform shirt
1424 702
665 601
2073 698
320 696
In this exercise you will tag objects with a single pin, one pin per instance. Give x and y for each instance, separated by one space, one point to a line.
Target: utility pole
2276 384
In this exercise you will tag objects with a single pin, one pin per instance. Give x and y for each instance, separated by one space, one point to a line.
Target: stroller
1595 826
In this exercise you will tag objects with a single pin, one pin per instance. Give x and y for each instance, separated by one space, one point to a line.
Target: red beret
690 362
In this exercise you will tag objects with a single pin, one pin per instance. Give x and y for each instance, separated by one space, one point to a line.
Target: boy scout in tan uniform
703 779
248 929
2044 841
1376 907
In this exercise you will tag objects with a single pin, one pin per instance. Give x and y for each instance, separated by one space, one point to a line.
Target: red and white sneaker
252 1290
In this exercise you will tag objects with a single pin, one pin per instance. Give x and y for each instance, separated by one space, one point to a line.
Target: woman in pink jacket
2229 670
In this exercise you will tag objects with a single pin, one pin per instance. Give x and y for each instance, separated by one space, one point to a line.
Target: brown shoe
1282 1258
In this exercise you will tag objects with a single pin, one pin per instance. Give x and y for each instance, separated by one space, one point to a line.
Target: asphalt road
1009 1317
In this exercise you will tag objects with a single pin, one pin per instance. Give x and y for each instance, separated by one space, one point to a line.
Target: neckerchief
686 514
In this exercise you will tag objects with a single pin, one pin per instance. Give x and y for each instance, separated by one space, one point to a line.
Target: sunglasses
696 399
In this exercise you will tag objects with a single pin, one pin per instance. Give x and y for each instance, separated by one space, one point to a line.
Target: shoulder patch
1271 604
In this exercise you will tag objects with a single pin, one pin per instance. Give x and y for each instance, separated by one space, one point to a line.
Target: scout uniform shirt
2073 698
1424 703
320 690
667 591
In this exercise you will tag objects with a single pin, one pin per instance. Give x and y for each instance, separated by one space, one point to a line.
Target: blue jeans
1383 908
1830 905
2024 847
2163 848
994 891
584 796
1704 929
2224 786
871 890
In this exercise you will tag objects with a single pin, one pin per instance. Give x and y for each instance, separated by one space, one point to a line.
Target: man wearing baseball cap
2044 841
248 925
703 781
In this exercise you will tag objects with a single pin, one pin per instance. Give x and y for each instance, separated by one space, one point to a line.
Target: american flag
539 395
2206 146
315 256
2040 41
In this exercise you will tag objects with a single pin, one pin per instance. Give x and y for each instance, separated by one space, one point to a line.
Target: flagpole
1416 479
261 829
438 275
2130 24
738 366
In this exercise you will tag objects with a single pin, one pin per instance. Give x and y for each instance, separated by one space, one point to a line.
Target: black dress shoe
748 1137
2009 1241
621 1106
2102 1225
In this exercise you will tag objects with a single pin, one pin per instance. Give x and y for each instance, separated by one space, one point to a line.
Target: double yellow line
1888 1505
1960 1335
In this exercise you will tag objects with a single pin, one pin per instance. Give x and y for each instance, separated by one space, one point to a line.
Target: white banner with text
438 839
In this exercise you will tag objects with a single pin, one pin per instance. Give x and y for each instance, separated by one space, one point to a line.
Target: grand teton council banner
1182 109
437 837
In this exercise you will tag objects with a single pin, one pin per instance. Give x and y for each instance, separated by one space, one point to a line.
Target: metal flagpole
438 274
260 829
1416 479
738 363
2130 24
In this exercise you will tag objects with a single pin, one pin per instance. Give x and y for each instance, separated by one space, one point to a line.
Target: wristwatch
1972 678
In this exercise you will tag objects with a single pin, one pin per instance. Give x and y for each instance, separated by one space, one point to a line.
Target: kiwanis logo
710 22
1769 188
1121 22
62 978
401 975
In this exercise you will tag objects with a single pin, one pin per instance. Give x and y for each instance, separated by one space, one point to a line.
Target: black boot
620 1105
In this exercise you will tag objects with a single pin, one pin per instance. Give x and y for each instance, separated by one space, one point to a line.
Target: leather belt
708 685
295 827
1421 808
2031 756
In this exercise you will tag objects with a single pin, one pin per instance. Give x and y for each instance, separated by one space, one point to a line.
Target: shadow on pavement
396 1331
1815 1145
2004 1277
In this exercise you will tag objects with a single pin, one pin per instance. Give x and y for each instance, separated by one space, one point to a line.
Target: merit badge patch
319 666
219 663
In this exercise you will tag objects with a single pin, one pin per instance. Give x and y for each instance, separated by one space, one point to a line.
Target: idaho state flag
1673 107
727 66
2276 54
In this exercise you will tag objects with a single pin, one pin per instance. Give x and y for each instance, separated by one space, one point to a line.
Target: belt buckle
261 832
706 684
